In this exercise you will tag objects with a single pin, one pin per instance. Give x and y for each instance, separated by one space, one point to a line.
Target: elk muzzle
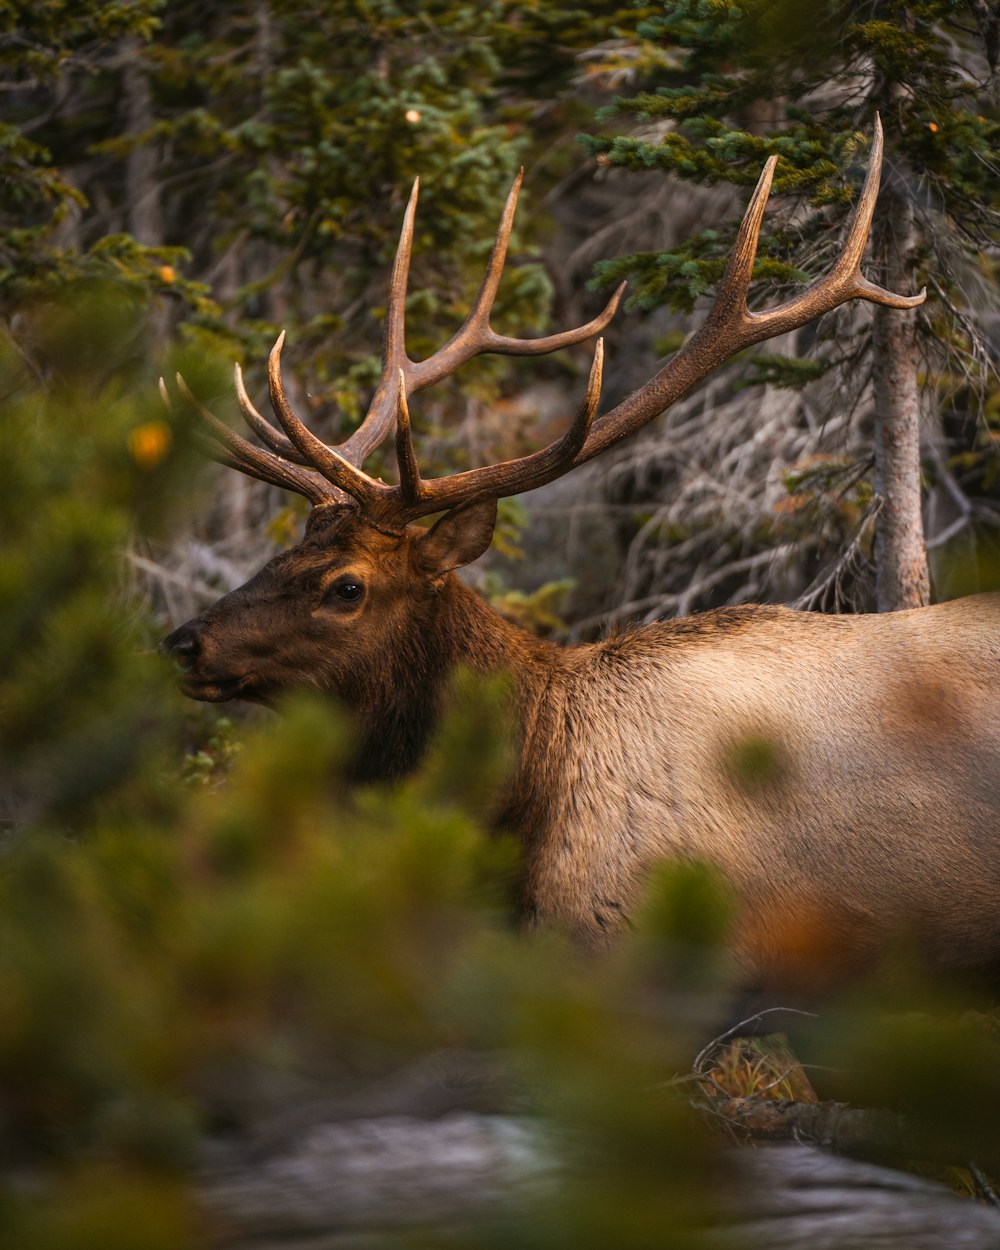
183 645
199 678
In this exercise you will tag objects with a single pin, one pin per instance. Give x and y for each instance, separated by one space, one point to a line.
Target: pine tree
59 66
755 78
271 149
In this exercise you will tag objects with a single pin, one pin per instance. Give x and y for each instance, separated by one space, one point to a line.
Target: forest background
182 182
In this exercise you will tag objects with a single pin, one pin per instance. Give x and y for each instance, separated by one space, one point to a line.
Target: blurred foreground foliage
179 961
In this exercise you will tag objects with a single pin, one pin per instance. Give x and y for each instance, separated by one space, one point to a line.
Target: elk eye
347 590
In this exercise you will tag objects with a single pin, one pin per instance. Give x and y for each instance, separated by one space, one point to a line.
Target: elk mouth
185 646
217 690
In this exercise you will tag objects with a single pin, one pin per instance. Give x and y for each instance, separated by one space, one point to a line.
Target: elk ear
461 536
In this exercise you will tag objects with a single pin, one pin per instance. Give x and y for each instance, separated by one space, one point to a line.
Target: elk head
356 608
352 609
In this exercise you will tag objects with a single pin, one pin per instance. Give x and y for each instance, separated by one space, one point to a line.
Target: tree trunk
145 218
901 576
143 199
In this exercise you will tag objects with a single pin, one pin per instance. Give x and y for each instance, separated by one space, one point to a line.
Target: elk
874 803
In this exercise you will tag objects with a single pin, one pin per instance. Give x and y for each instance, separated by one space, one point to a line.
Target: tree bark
145 217
901 574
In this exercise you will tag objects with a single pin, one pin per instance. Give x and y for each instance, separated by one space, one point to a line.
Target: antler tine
394 343
864 210
410 484
845 280
513 476
595 380
730 327
264 430
372 432
236 452
265 473
377 423
858 236
479 317
576 435
476 335
558 457
339 472
504 345
731 300
473 338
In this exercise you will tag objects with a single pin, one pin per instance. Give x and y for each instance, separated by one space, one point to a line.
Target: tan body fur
843 773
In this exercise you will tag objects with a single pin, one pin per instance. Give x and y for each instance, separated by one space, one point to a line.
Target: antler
324 474
333 474
730 326
475 337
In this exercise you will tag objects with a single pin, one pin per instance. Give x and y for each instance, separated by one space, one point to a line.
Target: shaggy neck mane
399 707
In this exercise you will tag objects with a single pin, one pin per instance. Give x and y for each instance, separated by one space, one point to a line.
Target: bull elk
874 803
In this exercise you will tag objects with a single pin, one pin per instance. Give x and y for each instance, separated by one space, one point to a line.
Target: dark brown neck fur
400 708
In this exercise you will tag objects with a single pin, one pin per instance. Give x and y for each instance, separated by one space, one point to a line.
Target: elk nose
183 644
